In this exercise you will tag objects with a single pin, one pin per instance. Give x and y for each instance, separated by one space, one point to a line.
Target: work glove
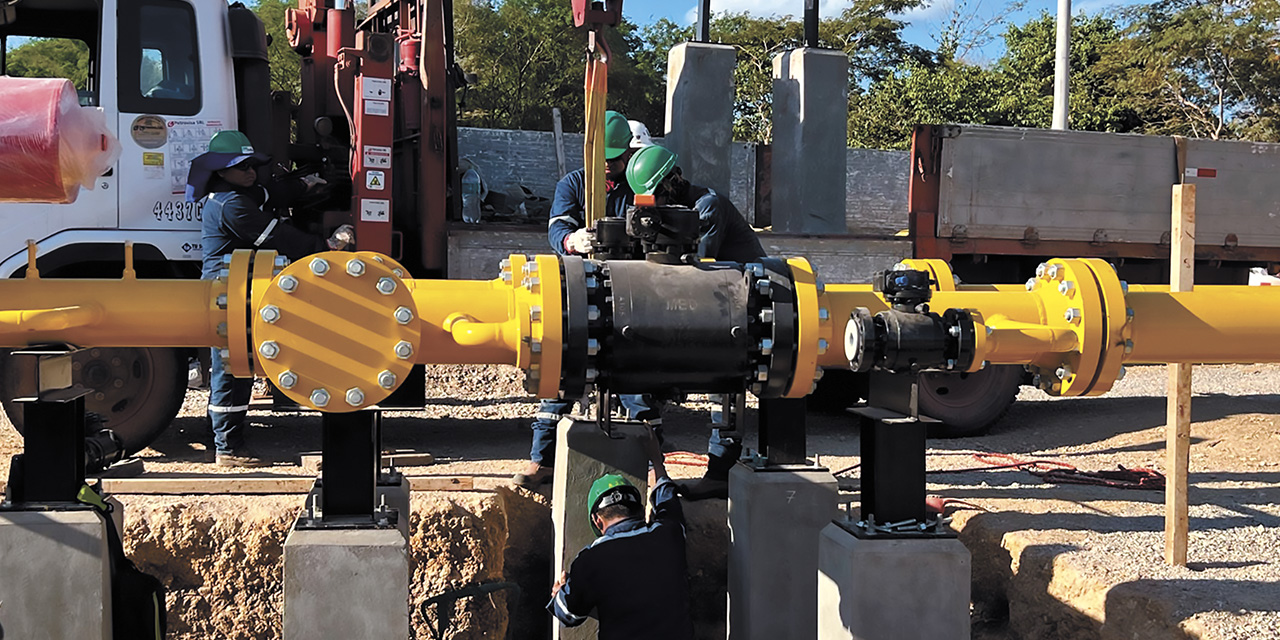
311 180
578 242
342 236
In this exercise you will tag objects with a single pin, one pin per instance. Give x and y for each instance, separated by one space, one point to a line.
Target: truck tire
968 403
137 391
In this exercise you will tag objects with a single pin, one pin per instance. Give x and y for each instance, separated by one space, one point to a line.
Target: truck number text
171 211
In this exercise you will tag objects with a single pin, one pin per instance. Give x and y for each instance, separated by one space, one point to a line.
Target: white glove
342 236
312 180
578 242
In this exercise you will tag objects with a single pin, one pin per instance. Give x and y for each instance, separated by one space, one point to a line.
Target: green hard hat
231 141
603 491
648 167
617 134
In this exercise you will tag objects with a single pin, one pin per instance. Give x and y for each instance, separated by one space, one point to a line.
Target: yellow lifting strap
597 89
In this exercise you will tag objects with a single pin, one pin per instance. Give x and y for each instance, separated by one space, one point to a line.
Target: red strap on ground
685 458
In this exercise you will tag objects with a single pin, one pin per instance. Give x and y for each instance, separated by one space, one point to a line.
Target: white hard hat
639 135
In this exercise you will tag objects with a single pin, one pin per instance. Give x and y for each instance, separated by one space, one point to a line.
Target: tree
527 58
1202 69
883 116
1028 68
50 58
286 65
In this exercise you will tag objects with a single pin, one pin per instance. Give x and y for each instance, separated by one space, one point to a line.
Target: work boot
240 458
533 476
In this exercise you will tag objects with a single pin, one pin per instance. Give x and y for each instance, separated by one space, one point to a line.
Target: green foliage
286 65
528 58
883 116
50 58
1202 69
1028 69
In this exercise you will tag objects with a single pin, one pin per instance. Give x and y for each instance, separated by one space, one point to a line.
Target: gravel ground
1051 561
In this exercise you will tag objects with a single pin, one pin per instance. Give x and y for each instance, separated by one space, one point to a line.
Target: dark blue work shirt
569 205
234 219
634 576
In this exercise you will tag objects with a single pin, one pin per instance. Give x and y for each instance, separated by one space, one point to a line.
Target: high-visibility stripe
266 232
236 409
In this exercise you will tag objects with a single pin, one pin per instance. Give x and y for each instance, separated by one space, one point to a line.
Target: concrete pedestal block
55 575
583 454
892 589
775 517
700 111
810 131
351 583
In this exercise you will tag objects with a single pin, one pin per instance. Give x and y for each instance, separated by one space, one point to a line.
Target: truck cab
162 73
165 87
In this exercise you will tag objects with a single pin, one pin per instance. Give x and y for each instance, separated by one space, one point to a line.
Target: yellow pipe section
1209 325
111 313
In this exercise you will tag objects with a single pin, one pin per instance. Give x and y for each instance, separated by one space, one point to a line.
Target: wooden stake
1178 422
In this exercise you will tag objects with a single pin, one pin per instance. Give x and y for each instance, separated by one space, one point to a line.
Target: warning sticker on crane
377 157
377 107
376 180
375 210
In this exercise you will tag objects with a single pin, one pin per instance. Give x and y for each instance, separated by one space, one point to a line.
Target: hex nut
386 380
355 397
288 284
320 397
1031 284
221 301
404 350
386 286
270 314
403 315
287 379
355 267
269 350
319 266
535 313
593 346
823 314
766 346
1071 315
822 345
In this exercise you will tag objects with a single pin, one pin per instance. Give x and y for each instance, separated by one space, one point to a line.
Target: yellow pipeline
352 326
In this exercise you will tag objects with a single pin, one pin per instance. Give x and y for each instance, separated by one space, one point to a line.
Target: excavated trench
221 557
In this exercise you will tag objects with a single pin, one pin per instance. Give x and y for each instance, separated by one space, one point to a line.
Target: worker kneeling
634 576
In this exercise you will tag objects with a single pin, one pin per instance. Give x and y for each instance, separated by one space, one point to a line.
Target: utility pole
704 21
1062 69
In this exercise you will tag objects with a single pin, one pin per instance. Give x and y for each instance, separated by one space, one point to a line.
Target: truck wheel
968 403
137 391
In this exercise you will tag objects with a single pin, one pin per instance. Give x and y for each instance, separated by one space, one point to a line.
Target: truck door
174 93
60 40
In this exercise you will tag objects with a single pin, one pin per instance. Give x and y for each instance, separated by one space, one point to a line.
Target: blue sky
923 22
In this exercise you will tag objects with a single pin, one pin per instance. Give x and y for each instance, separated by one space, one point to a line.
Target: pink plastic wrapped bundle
50 146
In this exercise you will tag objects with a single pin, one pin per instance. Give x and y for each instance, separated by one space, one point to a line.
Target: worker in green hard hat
239 212
634 575
724 235
568 236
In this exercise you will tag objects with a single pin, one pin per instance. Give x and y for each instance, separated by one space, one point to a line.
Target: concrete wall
875 198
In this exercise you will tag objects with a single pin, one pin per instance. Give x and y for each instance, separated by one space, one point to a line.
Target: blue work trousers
228 406
543 452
